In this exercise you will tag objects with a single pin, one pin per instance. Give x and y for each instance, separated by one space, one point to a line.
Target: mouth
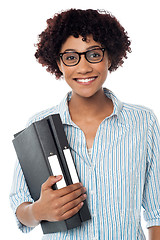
85 80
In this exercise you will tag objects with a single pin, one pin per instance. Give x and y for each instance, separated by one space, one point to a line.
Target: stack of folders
43 150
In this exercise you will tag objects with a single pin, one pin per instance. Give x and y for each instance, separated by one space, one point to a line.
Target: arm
151 191
53 205
154 233
25 214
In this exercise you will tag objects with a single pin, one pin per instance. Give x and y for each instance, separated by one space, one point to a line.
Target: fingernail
58 177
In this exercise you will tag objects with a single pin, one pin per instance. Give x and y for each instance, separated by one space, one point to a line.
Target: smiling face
85 78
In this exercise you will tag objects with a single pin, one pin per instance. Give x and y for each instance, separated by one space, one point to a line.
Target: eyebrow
74 50
93 47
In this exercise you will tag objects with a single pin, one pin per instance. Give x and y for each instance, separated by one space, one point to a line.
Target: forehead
78 44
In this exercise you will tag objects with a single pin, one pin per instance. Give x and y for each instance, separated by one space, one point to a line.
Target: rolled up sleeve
19 194
151 193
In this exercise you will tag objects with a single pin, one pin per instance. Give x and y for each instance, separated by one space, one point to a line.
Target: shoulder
130 112
60 108
136 114
41 115
136 108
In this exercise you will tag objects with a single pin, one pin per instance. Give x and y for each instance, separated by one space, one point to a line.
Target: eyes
93 56
71 57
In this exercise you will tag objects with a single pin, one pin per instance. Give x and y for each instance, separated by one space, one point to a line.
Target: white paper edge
71 165
56 170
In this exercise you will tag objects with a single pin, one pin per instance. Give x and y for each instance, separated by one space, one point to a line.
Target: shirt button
91 168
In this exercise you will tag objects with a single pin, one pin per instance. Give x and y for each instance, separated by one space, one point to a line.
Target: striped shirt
121 173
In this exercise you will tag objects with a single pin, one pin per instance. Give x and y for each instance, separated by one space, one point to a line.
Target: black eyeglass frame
82 53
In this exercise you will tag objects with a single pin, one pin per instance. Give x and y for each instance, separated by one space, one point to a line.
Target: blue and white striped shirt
121 174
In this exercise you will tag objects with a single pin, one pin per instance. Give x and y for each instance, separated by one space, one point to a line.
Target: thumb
51 181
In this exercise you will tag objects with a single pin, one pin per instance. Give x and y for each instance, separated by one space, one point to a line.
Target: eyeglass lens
93 56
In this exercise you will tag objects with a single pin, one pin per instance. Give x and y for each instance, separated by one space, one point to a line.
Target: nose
84 66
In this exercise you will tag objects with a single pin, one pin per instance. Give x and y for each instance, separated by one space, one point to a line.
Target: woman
115 145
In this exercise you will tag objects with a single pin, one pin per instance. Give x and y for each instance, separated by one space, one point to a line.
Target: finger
51 181
72 204
71 188
72 211
72 196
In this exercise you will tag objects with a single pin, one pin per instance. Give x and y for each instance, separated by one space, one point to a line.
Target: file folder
43 150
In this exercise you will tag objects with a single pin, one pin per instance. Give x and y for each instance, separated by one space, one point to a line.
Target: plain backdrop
27 88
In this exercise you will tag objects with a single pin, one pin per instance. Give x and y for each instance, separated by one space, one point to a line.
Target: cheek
67 75
103 70
67 72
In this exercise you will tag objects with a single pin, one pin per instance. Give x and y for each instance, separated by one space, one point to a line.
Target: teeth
85 80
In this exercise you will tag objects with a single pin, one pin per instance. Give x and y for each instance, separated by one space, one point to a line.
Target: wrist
36 212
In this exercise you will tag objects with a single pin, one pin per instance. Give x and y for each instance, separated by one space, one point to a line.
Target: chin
86 94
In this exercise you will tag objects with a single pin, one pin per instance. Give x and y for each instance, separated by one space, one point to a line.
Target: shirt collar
116 102
64 110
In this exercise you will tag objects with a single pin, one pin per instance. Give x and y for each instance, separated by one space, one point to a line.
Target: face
85 78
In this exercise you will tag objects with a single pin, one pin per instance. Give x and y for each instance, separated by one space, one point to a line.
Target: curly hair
103 26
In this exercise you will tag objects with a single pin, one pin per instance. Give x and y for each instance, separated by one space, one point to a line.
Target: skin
88 107
154 233
52 205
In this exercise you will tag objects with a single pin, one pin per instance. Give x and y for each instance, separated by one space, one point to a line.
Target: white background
27 88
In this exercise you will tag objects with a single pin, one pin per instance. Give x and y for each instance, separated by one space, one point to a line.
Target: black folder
43 150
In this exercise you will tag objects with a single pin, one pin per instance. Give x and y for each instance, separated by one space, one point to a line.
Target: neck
90 107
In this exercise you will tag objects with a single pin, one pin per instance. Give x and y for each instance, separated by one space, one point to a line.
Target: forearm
154 233
52 205
26 214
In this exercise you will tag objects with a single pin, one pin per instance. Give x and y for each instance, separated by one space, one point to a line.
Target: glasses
94 55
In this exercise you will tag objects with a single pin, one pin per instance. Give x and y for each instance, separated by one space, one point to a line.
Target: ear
109 63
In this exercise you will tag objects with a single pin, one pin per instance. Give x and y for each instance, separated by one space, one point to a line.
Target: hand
57 205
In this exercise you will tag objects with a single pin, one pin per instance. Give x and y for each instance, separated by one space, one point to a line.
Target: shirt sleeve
19 194
151 193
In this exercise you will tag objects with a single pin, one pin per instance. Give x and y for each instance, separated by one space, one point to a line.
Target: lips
85 80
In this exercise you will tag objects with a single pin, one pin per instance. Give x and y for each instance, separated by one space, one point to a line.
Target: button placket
92 190
92 200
